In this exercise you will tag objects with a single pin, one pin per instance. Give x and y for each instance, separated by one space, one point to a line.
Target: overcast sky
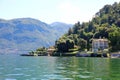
68 11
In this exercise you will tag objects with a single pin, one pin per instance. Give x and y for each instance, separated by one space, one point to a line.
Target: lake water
15 67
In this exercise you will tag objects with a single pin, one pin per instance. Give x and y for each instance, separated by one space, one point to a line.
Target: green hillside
105 24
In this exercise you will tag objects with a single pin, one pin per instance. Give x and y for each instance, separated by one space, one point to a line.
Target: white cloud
68 7
69 12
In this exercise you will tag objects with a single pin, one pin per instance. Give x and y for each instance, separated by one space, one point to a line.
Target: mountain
24 34
59 30
105 24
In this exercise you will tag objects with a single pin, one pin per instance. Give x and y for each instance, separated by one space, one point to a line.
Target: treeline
105 24
42 51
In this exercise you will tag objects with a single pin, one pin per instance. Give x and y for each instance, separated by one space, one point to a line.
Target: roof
100 39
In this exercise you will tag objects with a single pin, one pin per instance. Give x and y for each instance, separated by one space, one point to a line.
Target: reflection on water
14 67
84 68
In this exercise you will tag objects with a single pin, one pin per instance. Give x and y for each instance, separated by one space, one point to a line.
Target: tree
114 37
70 31
118 22
82 43
76 28
65 46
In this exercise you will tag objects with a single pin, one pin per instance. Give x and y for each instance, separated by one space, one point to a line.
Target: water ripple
18 74
10 79
57 68
1 68
98 78
53 76
17 68
84 76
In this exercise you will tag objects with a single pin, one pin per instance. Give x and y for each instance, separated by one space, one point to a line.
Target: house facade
99 44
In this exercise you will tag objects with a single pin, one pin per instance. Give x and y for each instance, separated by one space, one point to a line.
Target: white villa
99 44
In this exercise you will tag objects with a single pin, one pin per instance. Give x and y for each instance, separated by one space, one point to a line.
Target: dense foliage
42 51
105 24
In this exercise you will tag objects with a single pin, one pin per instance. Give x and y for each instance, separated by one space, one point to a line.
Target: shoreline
78 54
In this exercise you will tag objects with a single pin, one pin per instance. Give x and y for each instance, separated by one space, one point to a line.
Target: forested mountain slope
105 24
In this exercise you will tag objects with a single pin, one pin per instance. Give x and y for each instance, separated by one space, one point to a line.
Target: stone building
99 45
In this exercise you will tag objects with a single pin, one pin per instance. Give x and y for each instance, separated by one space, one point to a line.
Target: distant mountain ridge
57 27
29 33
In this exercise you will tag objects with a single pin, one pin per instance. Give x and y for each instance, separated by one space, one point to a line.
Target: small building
99 45
50 50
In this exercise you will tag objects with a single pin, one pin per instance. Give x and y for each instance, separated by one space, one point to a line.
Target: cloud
69 12
68 7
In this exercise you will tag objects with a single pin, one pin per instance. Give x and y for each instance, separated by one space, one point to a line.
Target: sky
67 11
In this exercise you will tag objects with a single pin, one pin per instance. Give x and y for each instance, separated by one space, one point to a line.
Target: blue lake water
15 67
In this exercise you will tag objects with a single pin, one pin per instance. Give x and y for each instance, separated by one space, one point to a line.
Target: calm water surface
15 67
